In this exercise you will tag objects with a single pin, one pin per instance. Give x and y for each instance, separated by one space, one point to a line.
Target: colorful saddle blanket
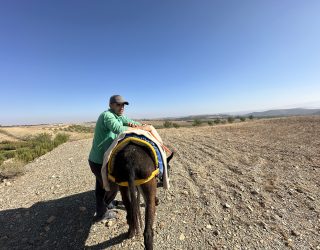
159 163
142 141
151 140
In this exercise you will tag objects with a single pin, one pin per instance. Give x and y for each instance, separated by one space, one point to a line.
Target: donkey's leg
157 201
126 202
149 193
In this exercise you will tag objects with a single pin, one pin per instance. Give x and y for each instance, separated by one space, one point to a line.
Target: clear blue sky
60 61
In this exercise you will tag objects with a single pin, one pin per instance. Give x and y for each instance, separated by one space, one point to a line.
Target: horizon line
230 113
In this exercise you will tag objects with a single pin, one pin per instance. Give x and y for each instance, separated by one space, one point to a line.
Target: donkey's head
169 159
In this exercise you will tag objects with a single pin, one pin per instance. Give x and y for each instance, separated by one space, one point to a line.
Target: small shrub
210 123
39 150
230 119
25 154
60 138
242 119
43 138
251 117
168 124
11 169
158 126
217 121
33 147
79 129
7 146
2 159
196 122
176 125
8 154
25 151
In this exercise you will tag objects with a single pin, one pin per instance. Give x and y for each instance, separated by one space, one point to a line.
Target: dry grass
20 132
11 168
13 153
22 144
247 185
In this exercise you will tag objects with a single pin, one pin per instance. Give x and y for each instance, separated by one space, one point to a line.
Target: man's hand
145 127
132 125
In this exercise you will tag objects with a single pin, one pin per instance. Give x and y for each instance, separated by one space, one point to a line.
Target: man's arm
128 122
136 125
114 125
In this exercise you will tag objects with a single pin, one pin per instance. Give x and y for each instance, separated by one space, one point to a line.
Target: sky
60 61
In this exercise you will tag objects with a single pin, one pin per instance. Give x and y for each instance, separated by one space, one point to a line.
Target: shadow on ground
32 228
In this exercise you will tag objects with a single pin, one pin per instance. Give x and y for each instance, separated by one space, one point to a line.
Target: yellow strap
116 150
126 141
136 182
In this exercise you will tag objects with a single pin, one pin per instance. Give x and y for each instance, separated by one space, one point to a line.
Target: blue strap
160 160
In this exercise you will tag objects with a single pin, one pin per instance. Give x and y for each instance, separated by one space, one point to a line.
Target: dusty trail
253 185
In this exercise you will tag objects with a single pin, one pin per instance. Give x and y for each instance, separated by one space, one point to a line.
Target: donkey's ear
170 157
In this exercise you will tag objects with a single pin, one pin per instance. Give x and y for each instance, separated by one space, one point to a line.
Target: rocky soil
250 185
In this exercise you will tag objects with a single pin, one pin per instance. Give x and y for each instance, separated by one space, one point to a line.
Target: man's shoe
160 181
108 215
113 204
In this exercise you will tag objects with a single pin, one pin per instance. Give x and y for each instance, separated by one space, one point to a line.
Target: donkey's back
133 159
133 163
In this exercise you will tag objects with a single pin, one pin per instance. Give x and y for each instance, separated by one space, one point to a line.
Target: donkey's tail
134 207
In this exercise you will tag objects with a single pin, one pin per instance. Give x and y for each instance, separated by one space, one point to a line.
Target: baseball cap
118 99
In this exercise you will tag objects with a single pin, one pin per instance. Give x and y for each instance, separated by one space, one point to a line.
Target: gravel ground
251 185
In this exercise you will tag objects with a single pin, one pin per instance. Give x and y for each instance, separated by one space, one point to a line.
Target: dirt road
251 185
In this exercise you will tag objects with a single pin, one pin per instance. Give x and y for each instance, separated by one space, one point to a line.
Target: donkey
131 163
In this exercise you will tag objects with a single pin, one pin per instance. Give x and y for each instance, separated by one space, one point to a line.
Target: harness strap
119 147
162 145
136 182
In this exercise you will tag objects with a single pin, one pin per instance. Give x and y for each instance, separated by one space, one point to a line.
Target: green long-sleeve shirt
109 125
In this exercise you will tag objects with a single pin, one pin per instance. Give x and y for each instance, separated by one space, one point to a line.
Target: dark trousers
103 198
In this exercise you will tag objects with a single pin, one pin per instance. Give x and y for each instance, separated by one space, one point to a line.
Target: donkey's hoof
157 201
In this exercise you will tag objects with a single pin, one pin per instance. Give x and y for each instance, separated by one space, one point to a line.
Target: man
109 125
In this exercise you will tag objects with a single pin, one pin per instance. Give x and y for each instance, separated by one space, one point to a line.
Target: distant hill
202 117
285 112
268 113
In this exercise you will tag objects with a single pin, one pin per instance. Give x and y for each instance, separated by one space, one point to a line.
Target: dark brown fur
131 163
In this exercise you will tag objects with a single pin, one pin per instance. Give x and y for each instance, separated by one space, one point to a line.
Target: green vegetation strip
79 129
30 148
